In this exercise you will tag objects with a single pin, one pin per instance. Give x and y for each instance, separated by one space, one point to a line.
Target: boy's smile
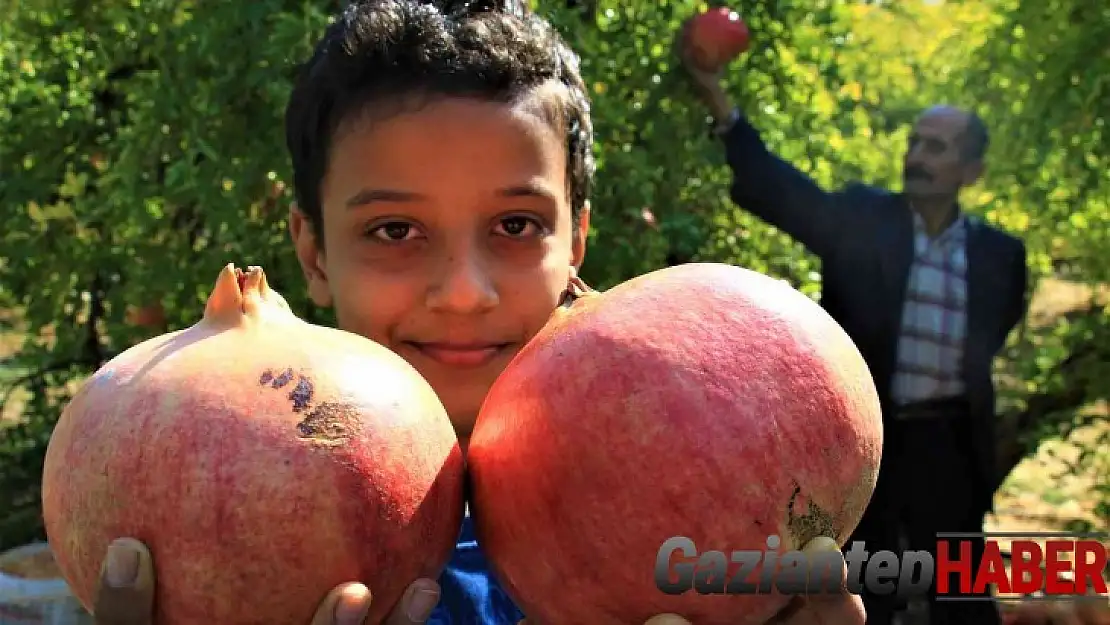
463 354
448 237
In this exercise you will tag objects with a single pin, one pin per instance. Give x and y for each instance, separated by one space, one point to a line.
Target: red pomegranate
701 400
716 37
262 459
151 316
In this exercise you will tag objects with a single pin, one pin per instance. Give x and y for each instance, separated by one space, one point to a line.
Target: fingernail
821 543
352 606
421 605
121 566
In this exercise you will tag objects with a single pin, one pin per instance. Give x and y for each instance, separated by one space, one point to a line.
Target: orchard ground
1048 491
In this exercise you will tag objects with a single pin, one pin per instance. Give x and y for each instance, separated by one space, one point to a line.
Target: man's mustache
915 172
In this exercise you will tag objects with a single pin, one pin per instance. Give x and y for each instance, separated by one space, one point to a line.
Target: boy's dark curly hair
381 52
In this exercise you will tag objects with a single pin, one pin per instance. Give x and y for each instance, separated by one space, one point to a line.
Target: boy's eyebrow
369 196
529 190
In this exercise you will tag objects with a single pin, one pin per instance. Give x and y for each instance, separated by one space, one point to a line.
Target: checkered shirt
934 317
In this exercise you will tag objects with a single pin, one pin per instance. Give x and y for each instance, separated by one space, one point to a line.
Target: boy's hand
841 609
126 594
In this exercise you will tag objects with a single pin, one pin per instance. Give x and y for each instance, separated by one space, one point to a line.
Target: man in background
929 294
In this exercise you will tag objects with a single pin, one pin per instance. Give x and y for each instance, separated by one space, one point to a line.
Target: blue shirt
469 593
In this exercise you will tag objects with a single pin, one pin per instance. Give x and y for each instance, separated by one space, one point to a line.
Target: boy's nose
463 286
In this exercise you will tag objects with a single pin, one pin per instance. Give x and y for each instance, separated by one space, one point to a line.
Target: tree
142 149
1040 75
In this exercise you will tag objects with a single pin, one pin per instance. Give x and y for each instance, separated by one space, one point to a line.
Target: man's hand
707 85
825 609
126 594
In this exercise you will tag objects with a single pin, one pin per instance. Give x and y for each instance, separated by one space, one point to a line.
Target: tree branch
94 348
1056 405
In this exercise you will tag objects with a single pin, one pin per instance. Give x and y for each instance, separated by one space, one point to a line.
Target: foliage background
141 149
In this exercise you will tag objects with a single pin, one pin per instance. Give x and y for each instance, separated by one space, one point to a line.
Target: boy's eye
394 231
517 226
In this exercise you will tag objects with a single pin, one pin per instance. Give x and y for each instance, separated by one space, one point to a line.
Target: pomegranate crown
240 294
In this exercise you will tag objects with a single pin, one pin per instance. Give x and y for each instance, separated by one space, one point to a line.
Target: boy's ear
310 255
581 235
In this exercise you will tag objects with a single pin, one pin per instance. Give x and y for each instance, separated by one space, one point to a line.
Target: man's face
448 239
934 163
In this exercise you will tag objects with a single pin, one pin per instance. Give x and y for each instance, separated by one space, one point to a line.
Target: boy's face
448 238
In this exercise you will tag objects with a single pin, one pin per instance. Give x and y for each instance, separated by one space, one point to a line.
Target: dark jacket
864 238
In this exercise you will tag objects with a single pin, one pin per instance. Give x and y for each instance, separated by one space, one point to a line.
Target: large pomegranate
264 460
704 401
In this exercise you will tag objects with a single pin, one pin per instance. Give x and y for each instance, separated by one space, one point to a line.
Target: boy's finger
126 592
788 612
821 543
667 619
658 619
835 609
346 604
824 544
842 607
416 604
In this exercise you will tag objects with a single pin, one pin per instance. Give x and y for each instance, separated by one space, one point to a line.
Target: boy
442 163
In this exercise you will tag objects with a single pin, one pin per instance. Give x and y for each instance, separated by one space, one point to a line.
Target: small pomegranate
716 37
152 316
263 460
